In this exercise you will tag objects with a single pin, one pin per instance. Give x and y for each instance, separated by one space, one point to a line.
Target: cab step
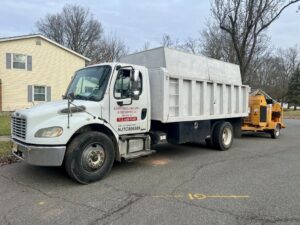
138 154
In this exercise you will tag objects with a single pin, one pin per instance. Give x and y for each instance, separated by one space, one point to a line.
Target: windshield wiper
81 97
92 98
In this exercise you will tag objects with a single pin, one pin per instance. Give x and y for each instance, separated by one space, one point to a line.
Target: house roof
45 38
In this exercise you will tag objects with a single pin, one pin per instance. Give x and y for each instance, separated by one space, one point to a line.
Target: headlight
49 132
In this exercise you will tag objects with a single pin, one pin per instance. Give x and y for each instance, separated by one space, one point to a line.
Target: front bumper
39 155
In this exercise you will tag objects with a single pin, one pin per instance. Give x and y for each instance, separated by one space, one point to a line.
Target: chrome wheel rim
277 132
227 136
93 157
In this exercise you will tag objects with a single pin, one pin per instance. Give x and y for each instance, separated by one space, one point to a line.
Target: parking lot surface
256 182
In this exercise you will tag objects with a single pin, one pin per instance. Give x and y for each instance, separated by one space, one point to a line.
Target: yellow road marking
202 196
227 196
197 196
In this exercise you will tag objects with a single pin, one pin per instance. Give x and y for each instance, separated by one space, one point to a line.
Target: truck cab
106 106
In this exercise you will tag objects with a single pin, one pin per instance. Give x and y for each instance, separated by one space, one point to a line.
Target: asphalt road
256 182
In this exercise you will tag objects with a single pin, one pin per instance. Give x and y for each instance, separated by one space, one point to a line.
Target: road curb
4 138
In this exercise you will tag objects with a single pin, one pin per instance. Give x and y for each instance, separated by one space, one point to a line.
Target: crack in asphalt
264 219
51 196
125 204
202 166
121 209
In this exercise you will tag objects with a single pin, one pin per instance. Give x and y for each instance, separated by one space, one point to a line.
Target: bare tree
74 28
245 21
52 26
167 41
289 62
274 72
110 49
191 45
217 44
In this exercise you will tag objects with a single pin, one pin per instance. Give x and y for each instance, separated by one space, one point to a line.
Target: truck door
128 113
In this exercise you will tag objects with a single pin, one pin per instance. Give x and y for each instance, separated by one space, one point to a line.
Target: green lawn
6 157
5 149
291 113
4 124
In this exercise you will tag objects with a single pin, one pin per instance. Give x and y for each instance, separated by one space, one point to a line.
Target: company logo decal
126 119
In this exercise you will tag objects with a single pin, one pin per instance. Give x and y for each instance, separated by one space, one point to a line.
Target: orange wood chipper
265 114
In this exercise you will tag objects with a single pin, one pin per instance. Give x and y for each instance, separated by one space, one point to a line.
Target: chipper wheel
276 132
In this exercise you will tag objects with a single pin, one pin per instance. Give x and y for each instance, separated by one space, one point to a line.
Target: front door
128 114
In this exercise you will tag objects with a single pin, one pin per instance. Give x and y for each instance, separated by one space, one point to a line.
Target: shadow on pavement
255 135
57 176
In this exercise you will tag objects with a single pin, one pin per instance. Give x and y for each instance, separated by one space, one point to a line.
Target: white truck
115 111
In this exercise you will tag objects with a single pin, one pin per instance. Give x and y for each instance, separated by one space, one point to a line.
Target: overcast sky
138 21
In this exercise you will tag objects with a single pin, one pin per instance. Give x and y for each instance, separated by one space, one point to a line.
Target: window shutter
29 63
29 93
8 61
48 94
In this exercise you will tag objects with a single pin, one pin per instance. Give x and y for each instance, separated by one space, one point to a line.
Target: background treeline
236 32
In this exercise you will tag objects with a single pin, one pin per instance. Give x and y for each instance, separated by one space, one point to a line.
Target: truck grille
19 127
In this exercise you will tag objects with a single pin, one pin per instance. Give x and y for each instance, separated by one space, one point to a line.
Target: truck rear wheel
89 157
276 132
222 137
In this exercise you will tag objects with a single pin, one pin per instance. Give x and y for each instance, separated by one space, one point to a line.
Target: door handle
126 101
144 113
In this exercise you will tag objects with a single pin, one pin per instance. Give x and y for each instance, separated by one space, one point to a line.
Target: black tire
89 157
217 138
276 132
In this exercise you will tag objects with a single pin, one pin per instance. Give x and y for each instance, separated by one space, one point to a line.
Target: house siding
51 66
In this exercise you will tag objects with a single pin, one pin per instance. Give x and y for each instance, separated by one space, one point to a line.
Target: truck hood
50 108
50 114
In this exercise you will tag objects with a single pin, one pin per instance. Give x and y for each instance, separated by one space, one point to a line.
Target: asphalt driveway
256 182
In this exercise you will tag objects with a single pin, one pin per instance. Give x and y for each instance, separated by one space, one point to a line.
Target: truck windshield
90 83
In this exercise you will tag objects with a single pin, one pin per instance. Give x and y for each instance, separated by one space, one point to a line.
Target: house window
19 61
39 93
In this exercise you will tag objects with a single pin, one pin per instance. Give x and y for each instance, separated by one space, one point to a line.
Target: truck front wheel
222 137
89 157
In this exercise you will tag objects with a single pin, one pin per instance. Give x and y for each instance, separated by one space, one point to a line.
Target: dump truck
266 114
120 110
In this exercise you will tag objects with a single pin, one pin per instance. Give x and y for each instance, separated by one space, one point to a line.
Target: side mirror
136 75
71 96
135 85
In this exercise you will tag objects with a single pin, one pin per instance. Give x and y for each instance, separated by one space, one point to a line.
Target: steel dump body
186 87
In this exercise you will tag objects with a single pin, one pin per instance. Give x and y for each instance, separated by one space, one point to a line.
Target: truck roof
113 64
185 64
